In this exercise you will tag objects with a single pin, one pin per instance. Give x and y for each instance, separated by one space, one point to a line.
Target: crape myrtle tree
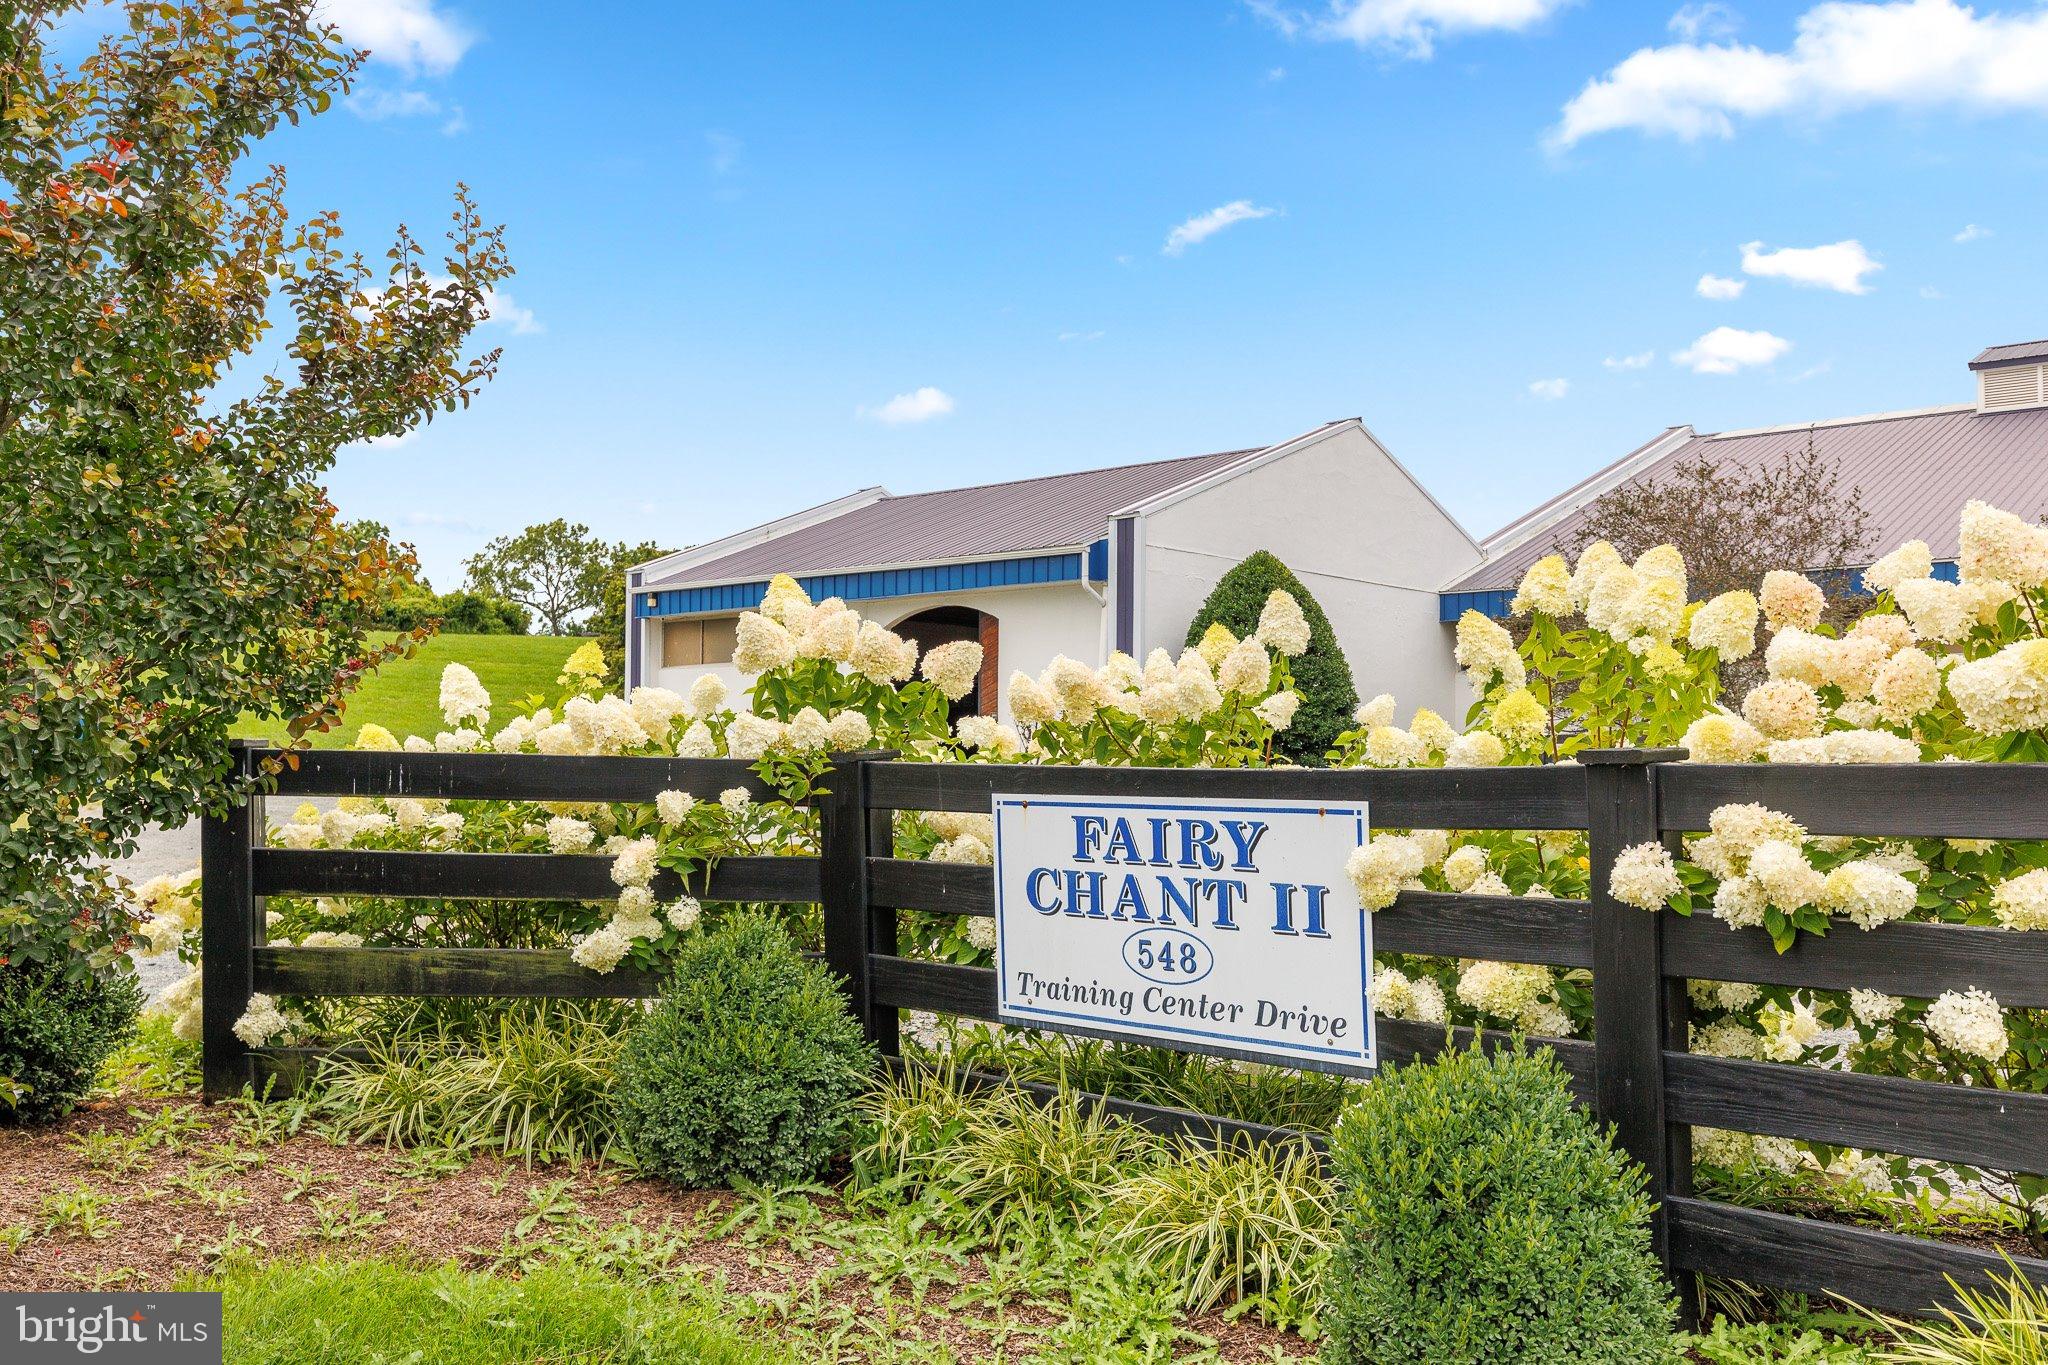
168 558
1322 676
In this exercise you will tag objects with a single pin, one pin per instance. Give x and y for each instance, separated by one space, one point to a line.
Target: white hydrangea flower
463 696
1486 652
1247 668
2022 902
808 732
1389 746
1727 1038
963 848
1505 990
1278 710
1546 587
1378 711
761 644
1726 625
953 668
635 864
1719 737
1866 894
566 834
786 602
1518 718
1432 730
1596 561
1791 599
2006 691
1969 1022
1783 708
1868 746
848 731
697 742
881 655
1384 867
1911 560
1031 703
1999 545
1939 612
1464 866
1908 684
635 902
1282 626
685 914
673 807
1789 882
1644 877
1787 1033
1475 749
832 633
1396 996
1195 686
600 950
262 1021
989 736
707 695
462 741
736 799
750 736
1872 1008
980 933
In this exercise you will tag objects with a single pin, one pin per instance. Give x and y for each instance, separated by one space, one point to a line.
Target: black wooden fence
1635 1074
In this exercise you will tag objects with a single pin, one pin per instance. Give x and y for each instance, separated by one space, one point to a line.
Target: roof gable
1915 471
1057 511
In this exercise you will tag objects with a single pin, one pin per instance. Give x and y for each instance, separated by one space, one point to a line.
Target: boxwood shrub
748 1067
1484 1220
1322 676
55 1032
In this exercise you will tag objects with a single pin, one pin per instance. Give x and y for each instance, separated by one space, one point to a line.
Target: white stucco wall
1033 624
1362 535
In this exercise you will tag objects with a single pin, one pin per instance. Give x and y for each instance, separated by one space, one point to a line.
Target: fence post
848 835
230 927
1637 1012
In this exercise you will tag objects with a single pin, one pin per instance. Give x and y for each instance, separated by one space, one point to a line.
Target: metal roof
1915 471
2019 353
1056 511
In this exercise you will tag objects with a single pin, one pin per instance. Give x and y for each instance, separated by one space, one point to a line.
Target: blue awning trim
1098 561
1026 571
1489 602
1493 602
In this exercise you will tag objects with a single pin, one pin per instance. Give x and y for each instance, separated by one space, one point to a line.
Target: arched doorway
936 626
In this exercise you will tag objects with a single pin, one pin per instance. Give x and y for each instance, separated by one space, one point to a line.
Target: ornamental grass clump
1483 1220
747 1069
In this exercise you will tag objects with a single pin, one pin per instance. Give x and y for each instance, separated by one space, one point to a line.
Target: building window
701 640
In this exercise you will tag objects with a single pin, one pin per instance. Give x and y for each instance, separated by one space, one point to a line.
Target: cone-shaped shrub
747 1068
1321 675
1483 1220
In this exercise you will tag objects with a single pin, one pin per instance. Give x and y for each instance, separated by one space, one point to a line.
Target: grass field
404 695
351 1312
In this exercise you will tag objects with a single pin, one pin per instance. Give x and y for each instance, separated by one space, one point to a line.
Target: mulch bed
173 1208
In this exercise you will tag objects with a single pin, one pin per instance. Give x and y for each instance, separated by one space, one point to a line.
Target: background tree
452 613
608 624
168 558
1732 521
1321 675
556 570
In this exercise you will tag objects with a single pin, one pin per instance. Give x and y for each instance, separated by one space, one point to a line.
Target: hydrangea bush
1602 653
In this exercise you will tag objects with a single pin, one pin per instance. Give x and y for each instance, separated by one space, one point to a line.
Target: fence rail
1636 1073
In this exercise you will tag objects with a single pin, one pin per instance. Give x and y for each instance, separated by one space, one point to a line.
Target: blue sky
743 230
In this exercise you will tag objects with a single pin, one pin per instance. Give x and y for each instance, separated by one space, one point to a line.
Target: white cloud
724 152
1848 54
919 405
1203 226
1276 73
1971 233
1728 349
1720 288
1639 361
506 313
1928 291
1550 390
1839 266
1708 20
414 35
377 105
1408 27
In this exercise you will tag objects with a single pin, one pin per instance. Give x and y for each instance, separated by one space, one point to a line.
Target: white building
1081 564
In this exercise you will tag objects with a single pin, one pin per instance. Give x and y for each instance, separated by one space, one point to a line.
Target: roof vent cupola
2012 377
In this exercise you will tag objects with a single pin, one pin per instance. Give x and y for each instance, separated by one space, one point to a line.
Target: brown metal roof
2019 353
1915 471
1049 513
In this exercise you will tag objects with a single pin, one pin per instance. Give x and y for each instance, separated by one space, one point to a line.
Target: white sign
1225 927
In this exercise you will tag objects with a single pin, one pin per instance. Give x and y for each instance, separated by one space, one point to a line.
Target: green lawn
357 1312
404 695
